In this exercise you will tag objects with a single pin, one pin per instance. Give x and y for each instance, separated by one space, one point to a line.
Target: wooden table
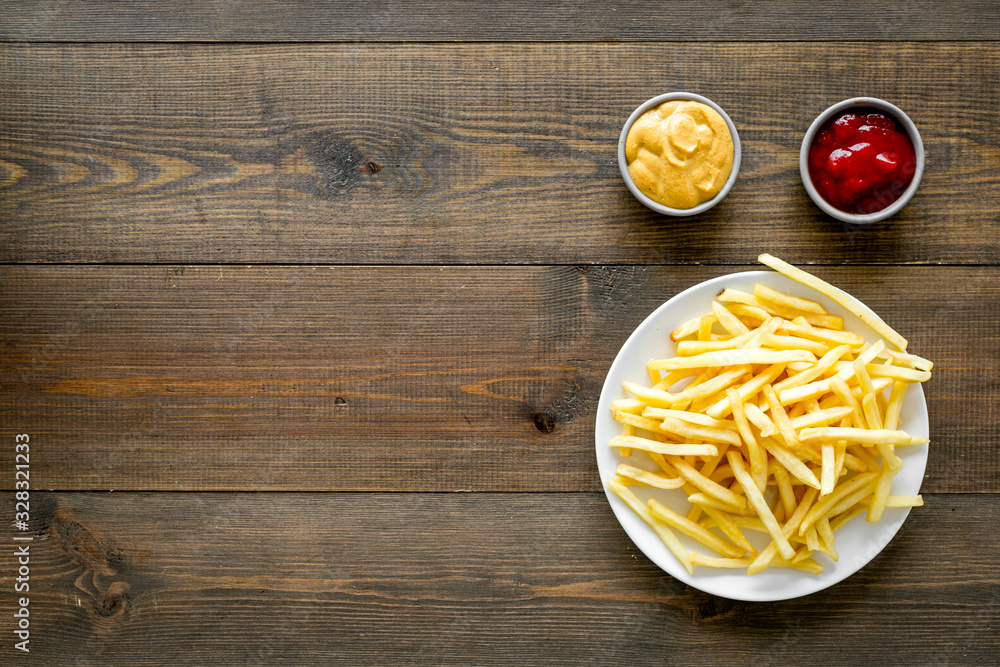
307 307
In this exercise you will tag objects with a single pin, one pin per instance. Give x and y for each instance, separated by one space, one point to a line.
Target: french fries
771 418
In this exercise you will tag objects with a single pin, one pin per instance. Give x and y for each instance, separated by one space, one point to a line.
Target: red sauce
861 161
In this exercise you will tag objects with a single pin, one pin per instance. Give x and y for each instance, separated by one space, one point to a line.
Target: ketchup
861 161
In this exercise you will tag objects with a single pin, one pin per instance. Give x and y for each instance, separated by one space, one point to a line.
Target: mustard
680 153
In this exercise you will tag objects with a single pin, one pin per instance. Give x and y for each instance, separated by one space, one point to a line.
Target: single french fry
828 476
761 477
837 522
799 409
779 342
860 435
687 348
904 501
895 404
738 357
812 540
748 312
757 417
767 556
804 392
647 445
821 417
785 492
911 360
662 464
716 562
864 380
627 430
839 387
707 486
705 501
638 421
869 406
825 532
743 426
841 297
881 493
898 373
802 554
705 327
755 498
853 499
728 321
695 432
689 328
831 337
730 529
767 294
840 457
691 529
691 417
780 418
807 565
632 405
664 533
648 478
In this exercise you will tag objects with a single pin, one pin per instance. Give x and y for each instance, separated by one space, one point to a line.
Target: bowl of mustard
679 154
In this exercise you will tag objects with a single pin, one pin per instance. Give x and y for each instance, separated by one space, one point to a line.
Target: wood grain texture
518 21
402 153
399 378
464 578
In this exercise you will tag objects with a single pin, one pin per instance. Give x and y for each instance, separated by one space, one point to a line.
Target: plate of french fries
763 435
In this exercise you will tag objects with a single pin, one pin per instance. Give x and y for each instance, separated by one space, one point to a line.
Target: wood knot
337 164
710 608
114 600
370 167
340 400
543 421
80 545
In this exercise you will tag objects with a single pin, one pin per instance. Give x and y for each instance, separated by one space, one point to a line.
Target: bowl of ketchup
861 160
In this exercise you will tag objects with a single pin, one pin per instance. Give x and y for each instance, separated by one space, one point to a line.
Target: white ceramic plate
858 541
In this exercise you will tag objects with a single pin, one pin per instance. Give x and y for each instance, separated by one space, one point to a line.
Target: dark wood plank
467 579
462 153
275 21
398 378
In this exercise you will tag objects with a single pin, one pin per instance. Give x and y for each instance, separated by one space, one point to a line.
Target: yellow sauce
680 153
